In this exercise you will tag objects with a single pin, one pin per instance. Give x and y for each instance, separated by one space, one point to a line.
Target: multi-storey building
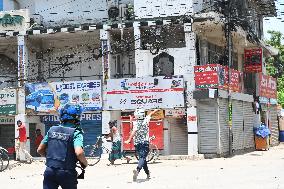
116 56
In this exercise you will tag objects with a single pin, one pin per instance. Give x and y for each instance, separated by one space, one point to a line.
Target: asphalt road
256 170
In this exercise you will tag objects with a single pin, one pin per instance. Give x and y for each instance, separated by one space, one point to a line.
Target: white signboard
8 101
162 8
14 21
148 93
180 112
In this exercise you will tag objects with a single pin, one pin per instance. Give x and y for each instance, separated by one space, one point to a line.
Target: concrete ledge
181 157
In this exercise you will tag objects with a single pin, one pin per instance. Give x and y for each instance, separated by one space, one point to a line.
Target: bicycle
4 159
153 151
94 152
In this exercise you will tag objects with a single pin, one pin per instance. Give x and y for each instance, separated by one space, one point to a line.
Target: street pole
229 39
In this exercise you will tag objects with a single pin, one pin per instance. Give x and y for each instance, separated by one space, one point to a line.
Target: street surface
256 170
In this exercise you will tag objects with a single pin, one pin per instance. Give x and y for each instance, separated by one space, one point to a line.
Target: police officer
63 147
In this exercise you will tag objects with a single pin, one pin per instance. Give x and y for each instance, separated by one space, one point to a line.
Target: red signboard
156 128
217 76
267 86
253 60
206 76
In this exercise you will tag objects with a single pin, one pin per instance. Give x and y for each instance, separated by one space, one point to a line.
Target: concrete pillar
190 39
192 131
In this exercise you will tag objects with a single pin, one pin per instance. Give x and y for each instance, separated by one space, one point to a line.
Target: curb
182 157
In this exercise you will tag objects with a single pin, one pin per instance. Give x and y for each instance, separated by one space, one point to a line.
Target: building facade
123 55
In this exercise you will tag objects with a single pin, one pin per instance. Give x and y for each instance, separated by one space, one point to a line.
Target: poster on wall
267 86
148 93
21 64
49 97
8 101
253 60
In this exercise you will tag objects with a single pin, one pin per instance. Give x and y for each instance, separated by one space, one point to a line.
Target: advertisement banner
8 101
267 86
253 60
49 97
148 93
206 76
217 76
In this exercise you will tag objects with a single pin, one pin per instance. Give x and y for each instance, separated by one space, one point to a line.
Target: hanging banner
217 76
49 97
267 86
8 101
148 93
253 60
206 76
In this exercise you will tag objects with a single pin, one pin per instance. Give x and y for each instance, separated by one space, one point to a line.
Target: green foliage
275 65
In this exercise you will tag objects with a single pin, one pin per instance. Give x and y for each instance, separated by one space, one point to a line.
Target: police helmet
139 113
70 112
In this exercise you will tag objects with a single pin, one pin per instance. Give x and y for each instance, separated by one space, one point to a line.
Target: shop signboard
7 120
84 117
206 76
49 97
16 20
217 76
267 86
8 101
158 115
147 93
253 60
176 113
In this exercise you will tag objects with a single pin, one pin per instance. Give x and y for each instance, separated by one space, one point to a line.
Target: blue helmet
70 112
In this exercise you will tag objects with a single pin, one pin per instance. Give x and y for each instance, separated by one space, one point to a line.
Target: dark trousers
142 150
53 178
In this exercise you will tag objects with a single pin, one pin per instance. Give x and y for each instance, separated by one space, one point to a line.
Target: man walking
141 141
63 147
23 139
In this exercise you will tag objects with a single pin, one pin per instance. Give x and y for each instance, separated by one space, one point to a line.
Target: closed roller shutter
273 125
92 129
7 135
248 125
207 126
224 128
237 124
178 137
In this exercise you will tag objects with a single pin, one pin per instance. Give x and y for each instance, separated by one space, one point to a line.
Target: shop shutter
224 128
248 125
7 135
178 137
92 129
274 125
207 126
237 124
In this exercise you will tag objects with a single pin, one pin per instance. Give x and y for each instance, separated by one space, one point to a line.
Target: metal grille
274 125
178 137
248 125
237 124
207 126
224 128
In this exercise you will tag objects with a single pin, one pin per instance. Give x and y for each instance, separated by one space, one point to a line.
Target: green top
77 137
